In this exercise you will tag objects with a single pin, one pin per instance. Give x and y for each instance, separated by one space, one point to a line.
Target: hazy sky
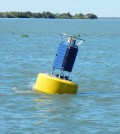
102 8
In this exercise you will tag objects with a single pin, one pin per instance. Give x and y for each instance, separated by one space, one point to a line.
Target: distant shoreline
63 18
47 14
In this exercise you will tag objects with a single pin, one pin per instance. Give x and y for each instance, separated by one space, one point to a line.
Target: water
95 109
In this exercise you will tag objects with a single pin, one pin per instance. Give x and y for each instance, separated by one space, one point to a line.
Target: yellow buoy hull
52 85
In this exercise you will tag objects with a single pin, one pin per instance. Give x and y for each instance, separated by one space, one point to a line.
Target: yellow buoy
52 85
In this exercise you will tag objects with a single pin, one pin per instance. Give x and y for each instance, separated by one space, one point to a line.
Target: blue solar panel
60 56
65 57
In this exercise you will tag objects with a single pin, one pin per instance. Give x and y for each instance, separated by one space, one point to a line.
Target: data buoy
52 85
59 83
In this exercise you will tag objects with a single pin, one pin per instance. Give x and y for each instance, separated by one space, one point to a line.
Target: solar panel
65 57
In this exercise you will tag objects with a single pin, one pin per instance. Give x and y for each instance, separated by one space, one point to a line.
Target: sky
101 8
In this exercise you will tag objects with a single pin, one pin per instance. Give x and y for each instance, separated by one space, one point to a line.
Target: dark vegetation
29 14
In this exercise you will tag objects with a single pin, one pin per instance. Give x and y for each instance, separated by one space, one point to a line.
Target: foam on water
30 89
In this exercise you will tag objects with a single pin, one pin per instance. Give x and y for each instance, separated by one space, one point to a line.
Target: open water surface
95 109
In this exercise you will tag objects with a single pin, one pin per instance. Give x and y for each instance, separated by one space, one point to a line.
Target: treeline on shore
29 14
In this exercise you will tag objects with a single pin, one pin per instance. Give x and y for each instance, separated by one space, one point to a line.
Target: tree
27 14
48 15
10 15
79 16
36 15
3 15
65 15
90 16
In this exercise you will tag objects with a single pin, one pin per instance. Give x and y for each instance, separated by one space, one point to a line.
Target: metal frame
61 72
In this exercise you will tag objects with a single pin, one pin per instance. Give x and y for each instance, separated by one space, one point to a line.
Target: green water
95 109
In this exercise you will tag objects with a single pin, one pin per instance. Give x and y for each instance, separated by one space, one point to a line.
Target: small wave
28 89
31 85
16 90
